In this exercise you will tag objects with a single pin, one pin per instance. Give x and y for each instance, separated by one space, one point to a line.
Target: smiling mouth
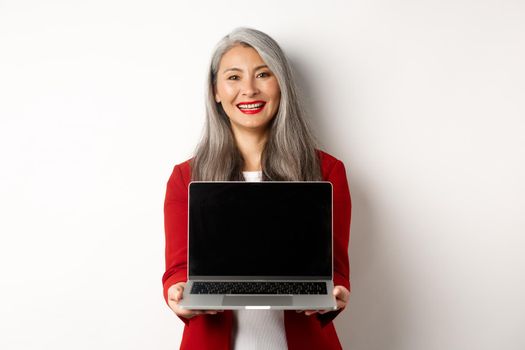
251 108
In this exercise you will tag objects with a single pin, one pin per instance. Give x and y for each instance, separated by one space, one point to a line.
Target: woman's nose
249 87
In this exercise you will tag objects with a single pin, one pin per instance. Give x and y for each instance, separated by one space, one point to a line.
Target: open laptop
259 245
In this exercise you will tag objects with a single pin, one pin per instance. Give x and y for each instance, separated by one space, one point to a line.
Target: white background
422 100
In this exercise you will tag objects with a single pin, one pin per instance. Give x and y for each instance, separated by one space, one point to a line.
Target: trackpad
243 300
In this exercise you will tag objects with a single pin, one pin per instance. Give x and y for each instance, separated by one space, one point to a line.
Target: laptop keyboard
258 288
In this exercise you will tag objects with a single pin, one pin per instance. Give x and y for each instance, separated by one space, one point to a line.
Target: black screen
260 229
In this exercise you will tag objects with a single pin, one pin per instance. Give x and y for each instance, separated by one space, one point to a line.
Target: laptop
259 245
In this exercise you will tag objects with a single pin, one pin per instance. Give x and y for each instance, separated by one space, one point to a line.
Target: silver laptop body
260 245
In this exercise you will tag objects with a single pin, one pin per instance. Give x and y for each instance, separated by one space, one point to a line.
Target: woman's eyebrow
240 70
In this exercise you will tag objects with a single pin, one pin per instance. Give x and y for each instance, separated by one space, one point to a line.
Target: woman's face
247 90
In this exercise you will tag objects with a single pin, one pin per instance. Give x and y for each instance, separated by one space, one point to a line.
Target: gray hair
290 153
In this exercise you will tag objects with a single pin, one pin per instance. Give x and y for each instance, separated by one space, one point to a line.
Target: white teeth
251 106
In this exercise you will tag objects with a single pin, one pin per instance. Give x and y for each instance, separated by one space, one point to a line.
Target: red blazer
214 331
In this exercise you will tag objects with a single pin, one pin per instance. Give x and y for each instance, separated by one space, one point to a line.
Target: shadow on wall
374 318
313 115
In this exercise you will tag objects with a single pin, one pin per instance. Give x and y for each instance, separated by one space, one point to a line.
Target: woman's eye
264 74
232 77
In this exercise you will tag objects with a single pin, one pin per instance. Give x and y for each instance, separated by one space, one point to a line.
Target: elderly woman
255 131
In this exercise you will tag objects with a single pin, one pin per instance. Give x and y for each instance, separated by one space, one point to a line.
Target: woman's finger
211 312
175 295
179 291
187 313
341 296
310 312
175 291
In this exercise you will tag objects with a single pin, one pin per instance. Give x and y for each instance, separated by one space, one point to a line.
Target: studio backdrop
421 100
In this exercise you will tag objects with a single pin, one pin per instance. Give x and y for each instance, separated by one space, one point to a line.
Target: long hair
290 152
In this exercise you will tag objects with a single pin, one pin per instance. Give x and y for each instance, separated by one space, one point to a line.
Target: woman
254 131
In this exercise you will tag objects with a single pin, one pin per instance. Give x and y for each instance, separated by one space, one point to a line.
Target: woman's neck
251 146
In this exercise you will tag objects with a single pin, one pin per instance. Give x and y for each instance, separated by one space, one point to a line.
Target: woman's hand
341 297
175 295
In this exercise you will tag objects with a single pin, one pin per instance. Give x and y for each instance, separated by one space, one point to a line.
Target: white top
253 176
258 329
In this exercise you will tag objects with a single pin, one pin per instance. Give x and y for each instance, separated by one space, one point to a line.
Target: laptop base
261 301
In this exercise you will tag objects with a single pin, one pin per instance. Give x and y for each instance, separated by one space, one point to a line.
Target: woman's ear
217 99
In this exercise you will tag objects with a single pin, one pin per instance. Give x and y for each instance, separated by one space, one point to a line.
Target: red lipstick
256 106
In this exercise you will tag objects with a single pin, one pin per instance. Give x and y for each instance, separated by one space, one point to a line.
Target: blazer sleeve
342 208
175 228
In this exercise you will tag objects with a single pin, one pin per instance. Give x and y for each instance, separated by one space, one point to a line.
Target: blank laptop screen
270 229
